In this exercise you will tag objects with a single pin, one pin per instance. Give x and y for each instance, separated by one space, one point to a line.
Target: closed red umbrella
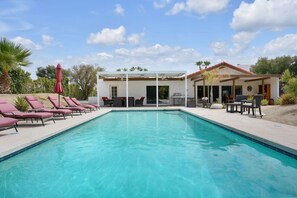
58 87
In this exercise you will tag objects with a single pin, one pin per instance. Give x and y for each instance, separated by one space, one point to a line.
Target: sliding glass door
151 96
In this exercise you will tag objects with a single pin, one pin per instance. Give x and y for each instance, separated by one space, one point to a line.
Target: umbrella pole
59 100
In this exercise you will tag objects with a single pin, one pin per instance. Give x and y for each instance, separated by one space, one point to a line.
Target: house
232 81
175 87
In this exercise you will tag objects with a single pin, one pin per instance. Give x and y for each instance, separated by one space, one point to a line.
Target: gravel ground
286 114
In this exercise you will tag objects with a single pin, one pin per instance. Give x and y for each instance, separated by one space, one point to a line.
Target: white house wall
137 89
273 81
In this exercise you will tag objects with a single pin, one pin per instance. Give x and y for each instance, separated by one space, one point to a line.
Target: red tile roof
219 65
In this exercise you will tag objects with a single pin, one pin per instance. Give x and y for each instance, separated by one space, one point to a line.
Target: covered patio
231 81
107 82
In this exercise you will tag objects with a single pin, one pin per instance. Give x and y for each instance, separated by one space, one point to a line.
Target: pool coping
265 142
14 150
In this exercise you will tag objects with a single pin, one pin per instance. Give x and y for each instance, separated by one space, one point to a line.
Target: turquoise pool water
149 154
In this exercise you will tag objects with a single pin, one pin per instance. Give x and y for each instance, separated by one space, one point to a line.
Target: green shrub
288 99
277 101
21 103
264 102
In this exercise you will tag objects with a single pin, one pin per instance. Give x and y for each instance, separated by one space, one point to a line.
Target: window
114 92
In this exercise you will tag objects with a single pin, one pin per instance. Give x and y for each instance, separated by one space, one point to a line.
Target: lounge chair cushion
5 122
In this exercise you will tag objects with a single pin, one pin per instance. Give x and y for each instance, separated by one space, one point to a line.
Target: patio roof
142 75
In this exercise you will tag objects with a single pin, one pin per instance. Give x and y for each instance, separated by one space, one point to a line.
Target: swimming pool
149 154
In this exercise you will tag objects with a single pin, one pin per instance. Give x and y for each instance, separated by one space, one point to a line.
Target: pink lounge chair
8 110
7 123
78 103
39 107
70 103
55 102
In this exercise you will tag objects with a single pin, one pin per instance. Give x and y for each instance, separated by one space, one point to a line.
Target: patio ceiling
144 75
246 78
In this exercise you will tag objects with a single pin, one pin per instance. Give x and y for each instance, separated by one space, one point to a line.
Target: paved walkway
275 134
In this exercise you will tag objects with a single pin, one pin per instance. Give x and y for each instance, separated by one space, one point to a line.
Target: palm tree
11 55
199 64
211 77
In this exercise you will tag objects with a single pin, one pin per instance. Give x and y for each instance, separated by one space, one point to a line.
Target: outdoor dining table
233 107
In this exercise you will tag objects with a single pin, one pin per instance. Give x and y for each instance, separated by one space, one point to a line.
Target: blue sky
154 34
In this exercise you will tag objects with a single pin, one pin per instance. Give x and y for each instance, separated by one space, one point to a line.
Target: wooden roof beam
257 79
229 79
198 80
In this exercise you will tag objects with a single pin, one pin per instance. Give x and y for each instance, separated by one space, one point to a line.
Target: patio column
157 90
233 89
186 90
98 98
263 88
195 94
127 90
203 87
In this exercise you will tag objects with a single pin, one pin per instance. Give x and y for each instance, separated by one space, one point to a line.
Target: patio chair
130 101
254 104
78 103
107 101
7 123
234 105
55 103
39 107
70 103
139 102
8 110
117 102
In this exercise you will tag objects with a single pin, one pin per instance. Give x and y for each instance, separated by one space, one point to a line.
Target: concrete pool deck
281 136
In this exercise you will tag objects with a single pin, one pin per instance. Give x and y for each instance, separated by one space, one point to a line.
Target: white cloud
47 40
199 6
134 38
161 4
241 41
220 48
113 37
108 36
26 43
104 55
119 10
270 14
146 51
282 46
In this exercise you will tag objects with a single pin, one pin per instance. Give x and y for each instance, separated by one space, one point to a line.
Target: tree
132 69
211 77
44 85
49 72
85 77
290 83
277 65
21 81
201 64
46 72
11 55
